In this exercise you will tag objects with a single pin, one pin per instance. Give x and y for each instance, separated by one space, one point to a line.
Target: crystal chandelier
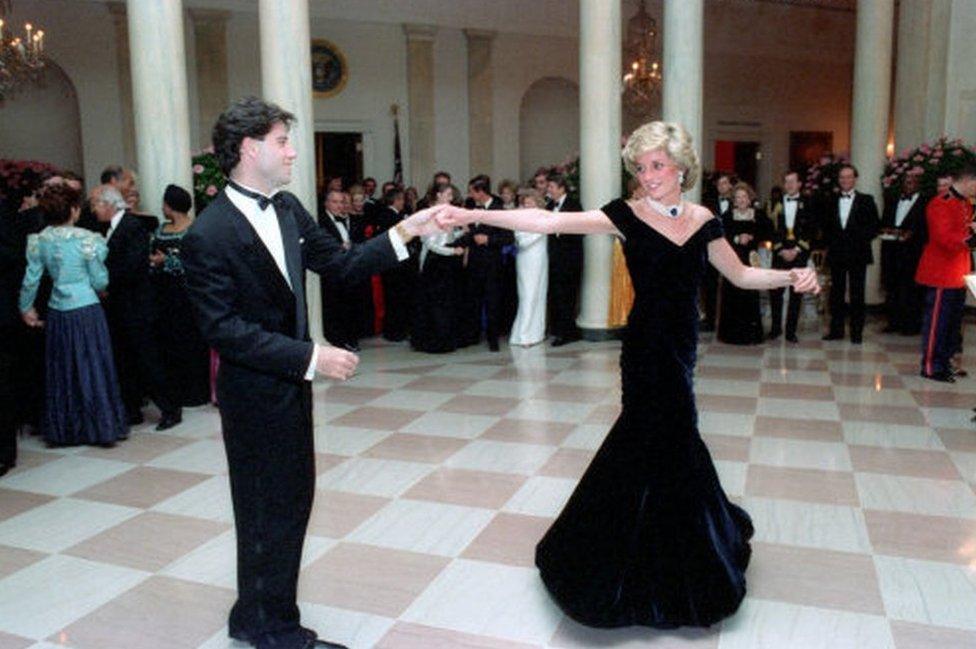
21 56
642 78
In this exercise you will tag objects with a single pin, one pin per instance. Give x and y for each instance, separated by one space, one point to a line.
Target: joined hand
336 363
804 280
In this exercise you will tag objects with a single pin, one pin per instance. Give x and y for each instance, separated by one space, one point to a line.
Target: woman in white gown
532 266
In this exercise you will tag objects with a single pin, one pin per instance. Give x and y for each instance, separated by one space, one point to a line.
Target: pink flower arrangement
929 161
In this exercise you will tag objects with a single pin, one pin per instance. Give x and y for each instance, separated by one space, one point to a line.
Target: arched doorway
548 124
43 123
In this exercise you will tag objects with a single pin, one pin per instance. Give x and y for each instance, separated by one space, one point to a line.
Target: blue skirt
83 404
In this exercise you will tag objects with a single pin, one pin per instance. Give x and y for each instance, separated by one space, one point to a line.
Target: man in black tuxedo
850 224
719 205
245 257
11 276
565 266
903 238
794 231
398 282
339 303
484 272
130 310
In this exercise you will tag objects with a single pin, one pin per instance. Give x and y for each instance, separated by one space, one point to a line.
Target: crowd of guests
94 319
925 254
463 287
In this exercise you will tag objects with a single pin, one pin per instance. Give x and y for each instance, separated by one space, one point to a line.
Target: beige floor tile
797 391
149 542
723 403
877 381
467 487
509 539
910 635
524 374
943 399
728 447
810 485
798 575
806 429
352 395
902 461
337 513
904 415
446 384
13 559
606 415
8 641
727 373
377 418
571 393
527 431
327 461
466 404
800 364
14 502
415 448
405 635
915 536
142 487
141 448
364 578
571 635
958 439
160 613
567 463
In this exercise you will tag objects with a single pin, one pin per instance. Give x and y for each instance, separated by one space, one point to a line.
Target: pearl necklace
670 211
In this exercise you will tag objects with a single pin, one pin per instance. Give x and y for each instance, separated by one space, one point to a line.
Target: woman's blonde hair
745 187
669 137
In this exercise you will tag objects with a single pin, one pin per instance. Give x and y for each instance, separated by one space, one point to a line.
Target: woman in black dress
186 359
649 536
746 227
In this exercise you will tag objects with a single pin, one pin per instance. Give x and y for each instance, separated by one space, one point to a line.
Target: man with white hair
129 308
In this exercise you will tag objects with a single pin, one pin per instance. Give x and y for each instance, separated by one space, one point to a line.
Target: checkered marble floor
437 475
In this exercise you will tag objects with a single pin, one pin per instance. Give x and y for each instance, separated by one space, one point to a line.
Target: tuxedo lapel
293 261
262 260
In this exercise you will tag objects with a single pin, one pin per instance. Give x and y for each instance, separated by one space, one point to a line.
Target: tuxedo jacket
566 250
327 224
498 238
801 237
914 224
851 245
130 299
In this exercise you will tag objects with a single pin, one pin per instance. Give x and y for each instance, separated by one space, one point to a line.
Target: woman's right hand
449 216
31 319
804 280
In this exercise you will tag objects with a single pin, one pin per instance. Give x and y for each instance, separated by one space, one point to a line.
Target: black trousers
795 301
398 286
843 276
341 314
271 465
139 366
484 296
563 297
8 396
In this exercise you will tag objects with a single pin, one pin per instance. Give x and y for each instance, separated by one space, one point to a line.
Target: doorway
739 158
338 155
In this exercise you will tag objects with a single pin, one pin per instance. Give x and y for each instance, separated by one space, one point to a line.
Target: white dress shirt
265 223
790 205
846 200
340 226
558 205
114 223
723 205
904 207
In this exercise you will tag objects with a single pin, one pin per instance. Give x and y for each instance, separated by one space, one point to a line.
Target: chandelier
642 76
21 56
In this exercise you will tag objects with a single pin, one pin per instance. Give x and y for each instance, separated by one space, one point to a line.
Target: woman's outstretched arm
529 220
720 253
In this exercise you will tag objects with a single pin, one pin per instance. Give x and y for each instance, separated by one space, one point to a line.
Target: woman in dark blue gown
648 536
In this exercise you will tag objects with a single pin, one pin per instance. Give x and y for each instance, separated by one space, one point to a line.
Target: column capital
208 16
418 32
480 34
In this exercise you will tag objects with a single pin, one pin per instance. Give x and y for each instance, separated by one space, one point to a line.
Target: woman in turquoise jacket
82 401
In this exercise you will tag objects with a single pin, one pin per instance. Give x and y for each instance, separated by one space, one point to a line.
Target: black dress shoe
493 345
559 341
832 336
301 639
791 338
169 420
4 468
774 334
960 373
856 340
136 419
942 378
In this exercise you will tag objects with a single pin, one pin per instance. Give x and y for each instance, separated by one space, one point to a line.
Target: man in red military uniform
945 260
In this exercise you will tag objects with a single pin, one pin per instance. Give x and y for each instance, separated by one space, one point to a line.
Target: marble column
420 98
683 70
159 93
286 79
600 106
480 98
121 25
869 113
210 34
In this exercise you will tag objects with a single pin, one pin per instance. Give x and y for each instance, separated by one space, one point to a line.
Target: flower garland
208 179
19 178
929 161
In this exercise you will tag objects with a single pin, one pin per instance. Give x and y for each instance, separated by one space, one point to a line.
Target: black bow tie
847 196
342 219
791 199
907 197
262 200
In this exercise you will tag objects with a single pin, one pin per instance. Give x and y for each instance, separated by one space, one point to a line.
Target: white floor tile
803 454
928 592
812 525
916 495
62 523
425 527
501 457
342 440
450 424
66 475
388 478
204 456
210 499
541 496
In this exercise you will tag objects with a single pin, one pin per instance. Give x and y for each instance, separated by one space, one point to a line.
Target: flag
397 157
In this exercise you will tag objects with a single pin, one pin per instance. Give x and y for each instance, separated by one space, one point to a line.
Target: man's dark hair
790 172
391 194
110 173
247 117
369 179
968 170
848 166
442 174
556 177
480 183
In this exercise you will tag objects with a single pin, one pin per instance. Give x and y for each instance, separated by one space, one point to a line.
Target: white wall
960 114
548 124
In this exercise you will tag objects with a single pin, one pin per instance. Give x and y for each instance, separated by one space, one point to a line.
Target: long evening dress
648 536
532 264
740 317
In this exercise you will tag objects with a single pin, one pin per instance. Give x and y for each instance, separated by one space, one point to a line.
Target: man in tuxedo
565 266
850 224
709 295
398 282
903 235
484 273
794 229
540 182
11 276
946 259
245 257
130 310
339 323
